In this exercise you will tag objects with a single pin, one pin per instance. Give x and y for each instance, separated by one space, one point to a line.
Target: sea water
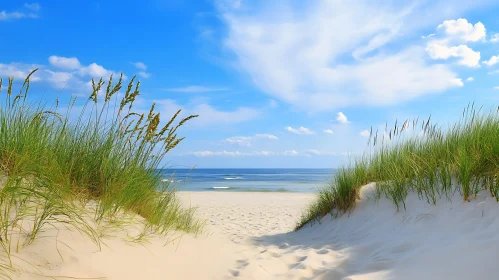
248 180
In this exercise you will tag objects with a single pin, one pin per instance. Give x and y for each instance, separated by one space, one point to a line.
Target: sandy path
249 238
452 240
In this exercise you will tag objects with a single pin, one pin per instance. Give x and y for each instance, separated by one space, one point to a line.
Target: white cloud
470 79
34 6
308 69
212 153
290 153
140 65
328 131
492 61
450 36
320 153
462 30
193 89
68 63
268 136
19 71
95 70
494 38
59 79
341 118
144 74
247 140
208 115
365 133
496 87
241 154
273 104
300 130
469 58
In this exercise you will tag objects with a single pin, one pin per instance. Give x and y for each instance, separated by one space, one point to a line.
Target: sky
276 84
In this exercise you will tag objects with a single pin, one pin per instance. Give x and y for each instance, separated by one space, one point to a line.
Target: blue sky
276 83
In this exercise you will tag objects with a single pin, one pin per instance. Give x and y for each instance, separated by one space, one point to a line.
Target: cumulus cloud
247 140
19 71
365 133
492 61
341 118
494 38
300 130
328 131
463 30
313 70
451 35
196 89
470 79
68 63
468 57
59 79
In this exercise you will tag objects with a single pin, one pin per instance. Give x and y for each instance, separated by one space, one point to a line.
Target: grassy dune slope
435 162
52 166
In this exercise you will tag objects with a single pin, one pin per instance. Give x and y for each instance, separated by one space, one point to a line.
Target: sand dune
249 238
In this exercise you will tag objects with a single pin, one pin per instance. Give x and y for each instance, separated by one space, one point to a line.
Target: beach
249 236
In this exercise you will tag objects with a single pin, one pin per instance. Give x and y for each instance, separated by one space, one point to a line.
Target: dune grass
433 162
52 165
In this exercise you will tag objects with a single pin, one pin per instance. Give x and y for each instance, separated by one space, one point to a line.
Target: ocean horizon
299 180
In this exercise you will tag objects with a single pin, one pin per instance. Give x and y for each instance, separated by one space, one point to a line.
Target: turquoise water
257 180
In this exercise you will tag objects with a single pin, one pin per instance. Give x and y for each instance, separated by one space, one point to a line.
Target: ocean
248 180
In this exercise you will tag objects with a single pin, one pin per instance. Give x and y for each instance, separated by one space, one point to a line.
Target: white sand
248 240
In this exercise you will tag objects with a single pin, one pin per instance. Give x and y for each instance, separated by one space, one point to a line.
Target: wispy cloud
300 130
196 89
306 153
208 115
365 133
316 73
247 140
328 131
230 153
34 6
320 153
470 79
32 13
141 66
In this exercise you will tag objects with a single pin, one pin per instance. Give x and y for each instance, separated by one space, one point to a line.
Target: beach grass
418 156
53 165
